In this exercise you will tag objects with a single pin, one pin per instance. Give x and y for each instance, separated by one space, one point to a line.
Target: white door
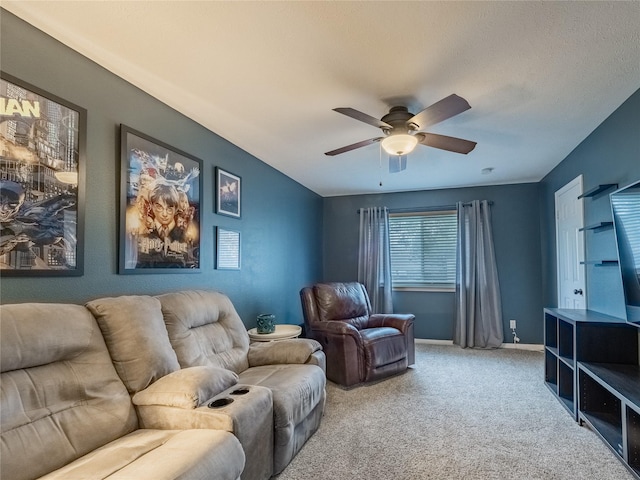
570 246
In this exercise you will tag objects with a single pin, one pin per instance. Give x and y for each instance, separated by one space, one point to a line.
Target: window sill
424 289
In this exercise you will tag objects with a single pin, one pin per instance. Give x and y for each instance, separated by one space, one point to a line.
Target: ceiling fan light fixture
399 144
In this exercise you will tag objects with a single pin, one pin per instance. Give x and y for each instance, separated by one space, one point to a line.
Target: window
423 250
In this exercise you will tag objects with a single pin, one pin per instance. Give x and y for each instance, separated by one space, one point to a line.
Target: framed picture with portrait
160 206
42 182
228 193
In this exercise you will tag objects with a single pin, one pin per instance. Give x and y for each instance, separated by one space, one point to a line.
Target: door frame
578 181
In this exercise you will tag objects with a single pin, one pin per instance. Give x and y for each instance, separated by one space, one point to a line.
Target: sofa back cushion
60 396
205 329
136 337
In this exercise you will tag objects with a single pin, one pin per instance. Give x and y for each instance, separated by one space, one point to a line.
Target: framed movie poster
227 193
160 194
42 168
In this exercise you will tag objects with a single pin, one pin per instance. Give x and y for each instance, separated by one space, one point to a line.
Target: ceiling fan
400 128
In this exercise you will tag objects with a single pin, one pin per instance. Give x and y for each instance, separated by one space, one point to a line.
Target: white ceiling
540 77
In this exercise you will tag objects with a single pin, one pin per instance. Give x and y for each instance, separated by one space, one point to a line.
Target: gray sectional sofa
142 387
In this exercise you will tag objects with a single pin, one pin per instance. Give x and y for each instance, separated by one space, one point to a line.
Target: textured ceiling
540 77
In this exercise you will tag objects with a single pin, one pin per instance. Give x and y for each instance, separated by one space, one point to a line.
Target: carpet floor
456 414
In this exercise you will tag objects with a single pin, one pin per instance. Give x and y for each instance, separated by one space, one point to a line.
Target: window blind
423 249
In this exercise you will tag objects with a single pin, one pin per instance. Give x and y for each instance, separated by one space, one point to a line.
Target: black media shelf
591 366
633 440
608 431
609 402
621 378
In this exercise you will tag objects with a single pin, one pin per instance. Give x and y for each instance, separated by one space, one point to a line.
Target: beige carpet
456 414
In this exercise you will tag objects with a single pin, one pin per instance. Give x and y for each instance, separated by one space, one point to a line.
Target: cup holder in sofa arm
223 402
240 391
220 402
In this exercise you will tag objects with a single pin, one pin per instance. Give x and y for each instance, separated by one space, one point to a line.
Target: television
625 204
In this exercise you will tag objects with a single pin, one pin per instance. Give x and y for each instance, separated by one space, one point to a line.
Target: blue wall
281 227
611 154
516 231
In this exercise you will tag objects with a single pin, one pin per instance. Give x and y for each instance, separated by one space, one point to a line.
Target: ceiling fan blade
397 163
440 111
443 142
348 148
363 117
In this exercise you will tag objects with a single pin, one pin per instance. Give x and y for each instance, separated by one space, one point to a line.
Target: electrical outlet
512 324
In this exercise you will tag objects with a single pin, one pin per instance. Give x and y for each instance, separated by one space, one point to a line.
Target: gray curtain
478 305
374 258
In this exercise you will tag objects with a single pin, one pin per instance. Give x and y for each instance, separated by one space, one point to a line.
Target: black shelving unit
633 440
572 336
609 402
601 263
598 227
591 366
598 190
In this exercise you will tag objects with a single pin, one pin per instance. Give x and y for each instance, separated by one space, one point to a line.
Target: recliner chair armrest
289 351
343 344
188 388
335 327
401 321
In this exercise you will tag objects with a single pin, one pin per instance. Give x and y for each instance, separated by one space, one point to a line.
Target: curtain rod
426 209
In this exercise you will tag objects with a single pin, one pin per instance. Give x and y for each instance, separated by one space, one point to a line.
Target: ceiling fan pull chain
380 163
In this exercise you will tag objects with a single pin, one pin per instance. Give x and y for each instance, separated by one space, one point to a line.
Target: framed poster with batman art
42 169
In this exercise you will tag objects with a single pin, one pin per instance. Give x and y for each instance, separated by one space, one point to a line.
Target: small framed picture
227 249
159 206
228 193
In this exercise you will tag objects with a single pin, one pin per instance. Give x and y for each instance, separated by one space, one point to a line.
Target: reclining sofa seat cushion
65 414
160 455
205 329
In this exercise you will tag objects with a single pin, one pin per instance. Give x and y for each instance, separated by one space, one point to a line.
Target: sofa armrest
289 351
187 388
249 417
248 411
319 359
401 321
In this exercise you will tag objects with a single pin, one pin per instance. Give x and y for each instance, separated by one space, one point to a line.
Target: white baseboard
534 347
433 342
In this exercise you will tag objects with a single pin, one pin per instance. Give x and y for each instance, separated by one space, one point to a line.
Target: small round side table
282 332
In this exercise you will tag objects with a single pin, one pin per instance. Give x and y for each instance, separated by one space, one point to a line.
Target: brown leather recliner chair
360 346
